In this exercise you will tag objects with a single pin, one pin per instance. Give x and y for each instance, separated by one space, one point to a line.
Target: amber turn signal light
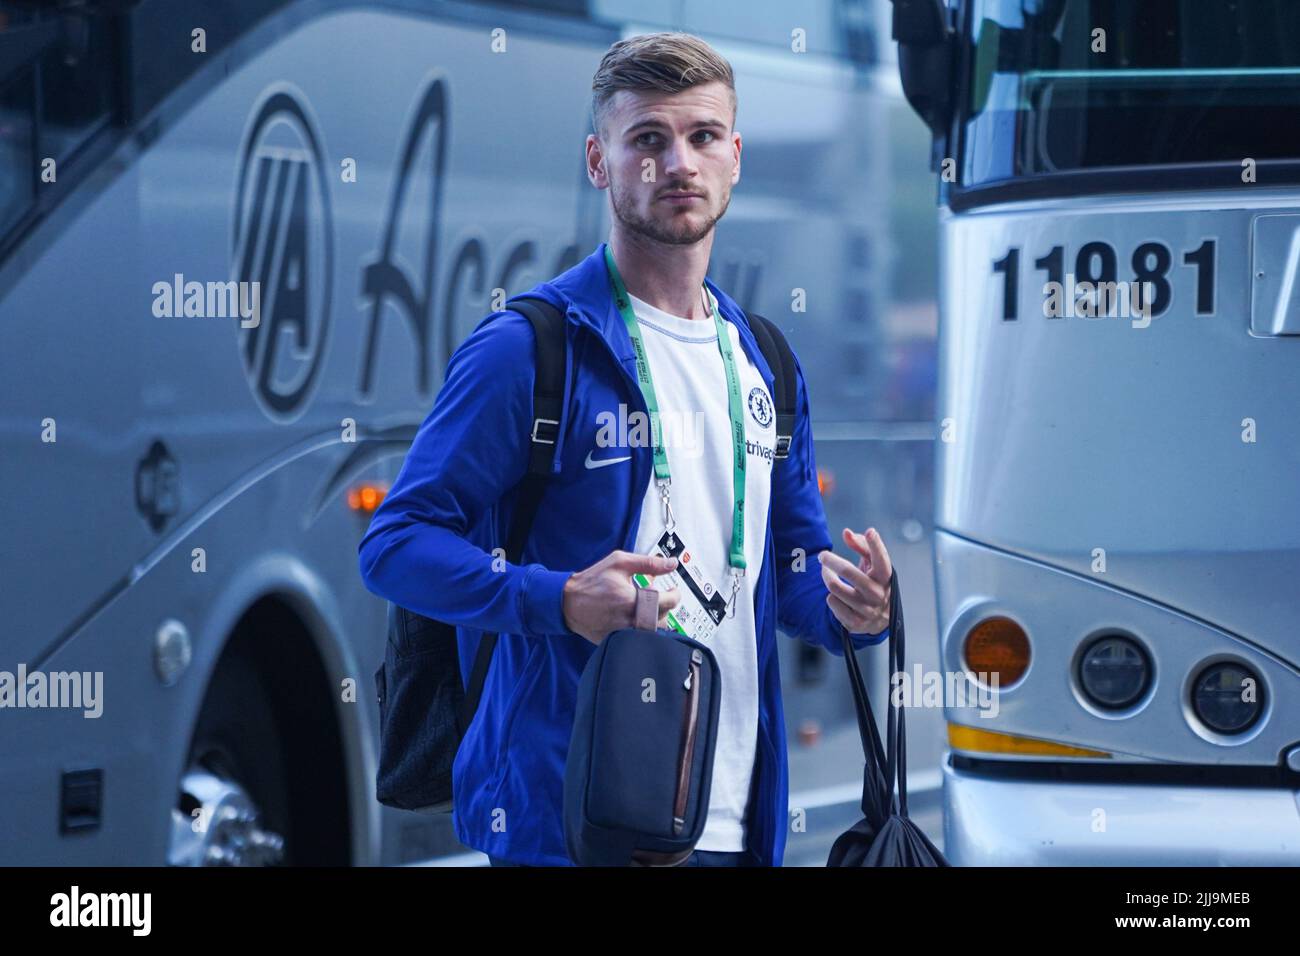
978 740
366 497
997 645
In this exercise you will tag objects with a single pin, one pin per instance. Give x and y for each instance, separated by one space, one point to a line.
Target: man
666 149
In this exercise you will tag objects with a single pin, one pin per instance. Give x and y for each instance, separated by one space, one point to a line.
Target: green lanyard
735 409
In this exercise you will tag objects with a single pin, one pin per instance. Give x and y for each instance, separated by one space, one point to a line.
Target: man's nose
678 159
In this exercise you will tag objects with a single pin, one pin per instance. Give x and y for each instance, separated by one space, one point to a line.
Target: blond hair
670 62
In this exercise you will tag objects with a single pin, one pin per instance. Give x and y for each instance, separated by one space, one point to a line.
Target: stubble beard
681 235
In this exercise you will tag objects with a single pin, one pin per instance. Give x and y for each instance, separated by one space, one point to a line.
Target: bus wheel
232 804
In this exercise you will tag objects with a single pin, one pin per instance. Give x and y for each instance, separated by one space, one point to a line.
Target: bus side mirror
925 60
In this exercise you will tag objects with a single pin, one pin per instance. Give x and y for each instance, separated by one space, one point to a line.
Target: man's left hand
859 594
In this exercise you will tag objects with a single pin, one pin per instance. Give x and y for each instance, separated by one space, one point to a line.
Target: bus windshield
1061 86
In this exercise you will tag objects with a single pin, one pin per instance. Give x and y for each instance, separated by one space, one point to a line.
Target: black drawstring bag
885 836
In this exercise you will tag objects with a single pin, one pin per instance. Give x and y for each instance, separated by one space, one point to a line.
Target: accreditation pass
701 608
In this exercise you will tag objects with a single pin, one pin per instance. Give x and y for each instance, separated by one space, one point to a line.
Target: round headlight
1114 672
1228 697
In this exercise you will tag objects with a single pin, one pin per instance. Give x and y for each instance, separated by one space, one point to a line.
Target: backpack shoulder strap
548 387
772 343
548 402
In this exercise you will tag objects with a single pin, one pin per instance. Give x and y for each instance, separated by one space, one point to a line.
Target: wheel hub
223 828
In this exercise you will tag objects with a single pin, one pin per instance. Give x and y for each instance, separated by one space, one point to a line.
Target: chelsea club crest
760 406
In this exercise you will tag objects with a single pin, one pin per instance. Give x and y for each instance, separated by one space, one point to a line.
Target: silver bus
238 242
1117 505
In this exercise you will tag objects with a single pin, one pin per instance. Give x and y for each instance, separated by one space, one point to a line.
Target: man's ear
596 163
735 173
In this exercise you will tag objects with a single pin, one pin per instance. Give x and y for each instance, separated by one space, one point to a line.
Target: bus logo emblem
283 241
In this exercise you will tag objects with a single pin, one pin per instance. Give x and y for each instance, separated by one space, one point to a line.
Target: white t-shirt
691 388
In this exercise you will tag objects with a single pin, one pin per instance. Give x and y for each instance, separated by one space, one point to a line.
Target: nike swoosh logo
602 462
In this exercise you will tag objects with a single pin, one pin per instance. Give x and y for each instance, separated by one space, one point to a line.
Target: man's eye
653 140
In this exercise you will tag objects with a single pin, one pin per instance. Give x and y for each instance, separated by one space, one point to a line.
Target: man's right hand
602 598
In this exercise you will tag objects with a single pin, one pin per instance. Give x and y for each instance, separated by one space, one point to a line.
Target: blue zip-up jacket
429 548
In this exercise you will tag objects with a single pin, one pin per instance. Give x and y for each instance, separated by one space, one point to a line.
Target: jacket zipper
690 729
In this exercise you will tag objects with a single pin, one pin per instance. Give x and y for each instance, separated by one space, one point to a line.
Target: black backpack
424 709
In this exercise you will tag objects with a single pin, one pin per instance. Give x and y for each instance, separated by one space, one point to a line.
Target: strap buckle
782 446
553 431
